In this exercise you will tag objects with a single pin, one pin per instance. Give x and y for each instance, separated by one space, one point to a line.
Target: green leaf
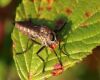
79 36
3 3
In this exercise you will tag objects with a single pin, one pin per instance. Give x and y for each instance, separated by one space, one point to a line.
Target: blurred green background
88 69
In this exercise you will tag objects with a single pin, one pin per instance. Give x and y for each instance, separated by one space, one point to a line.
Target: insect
47 37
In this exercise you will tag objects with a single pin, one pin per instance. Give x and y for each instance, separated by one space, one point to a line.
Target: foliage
3 3
80 34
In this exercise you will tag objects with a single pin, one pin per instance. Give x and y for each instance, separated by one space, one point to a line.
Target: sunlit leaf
3 3
79 37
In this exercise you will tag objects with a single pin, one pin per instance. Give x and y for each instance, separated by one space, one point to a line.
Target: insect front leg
65 53
59 59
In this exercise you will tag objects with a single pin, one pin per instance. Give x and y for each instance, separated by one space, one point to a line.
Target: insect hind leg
41 57
27 48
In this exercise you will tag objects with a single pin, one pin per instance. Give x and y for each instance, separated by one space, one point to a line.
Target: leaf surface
80 35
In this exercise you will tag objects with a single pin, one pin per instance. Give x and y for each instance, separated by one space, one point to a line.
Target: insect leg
65 53
35 41
27 48
41 57
59 59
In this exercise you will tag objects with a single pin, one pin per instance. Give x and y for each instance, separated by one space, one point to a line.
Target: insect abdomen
27 30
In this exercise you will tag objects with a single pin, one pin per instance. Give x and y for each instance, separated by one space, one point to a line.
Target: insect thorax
46 36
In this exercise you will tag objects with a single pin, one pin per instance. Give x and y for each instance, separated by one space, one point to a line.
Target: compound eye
52 36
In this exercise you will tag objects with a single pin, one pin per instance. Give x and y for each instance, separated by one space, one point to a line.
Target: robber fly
47 37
